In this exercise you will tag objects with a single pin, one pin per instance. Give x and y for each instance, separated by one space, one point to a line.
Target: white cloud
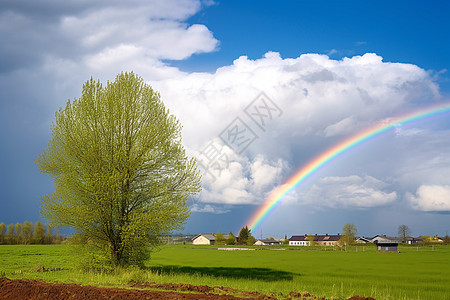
433 198
105 36
321 99
348 192
344 126
208 208
235 179
318 95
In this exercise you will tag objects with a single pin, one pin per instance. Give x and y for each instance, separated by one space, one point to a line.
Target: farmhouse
363 240
412 240
206 239
267 242
321 240
384 237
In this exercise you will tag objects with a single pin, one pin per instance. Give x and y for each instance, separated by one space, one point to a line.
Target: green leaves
120 171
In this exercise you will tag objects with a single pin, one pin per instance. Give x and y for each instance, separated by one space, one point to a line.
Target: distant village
382 242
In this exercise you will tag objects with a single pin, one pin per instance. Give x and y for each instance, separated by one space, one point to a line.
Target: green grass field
414 273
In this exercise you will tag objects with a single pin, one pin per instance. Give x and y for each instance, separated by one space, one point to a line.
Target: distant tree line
29 233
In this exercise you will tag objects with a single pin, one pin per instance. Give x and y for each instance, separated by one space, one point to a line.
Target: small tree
426 239
27 232
39 233
231 240
49 237
251 240
311 240
58 237
2 233
19 233
10 234
349 231
220 239
446 239
403 232
243 235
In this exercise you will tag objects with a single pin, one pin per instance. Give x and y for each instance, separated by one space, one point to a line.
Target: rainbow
334 152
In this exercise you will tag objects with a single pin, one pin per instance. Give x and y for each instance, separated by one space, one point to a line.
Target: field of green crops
414 273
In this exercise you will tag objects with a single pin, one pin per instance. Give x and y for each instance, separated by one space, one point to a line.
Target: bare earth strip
38 289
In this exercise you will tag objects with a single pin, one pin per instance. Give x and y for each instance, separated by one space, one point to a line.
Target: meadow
414 273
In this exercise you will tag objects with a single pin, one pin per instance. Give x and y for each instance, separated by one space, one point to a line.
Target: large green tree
121 174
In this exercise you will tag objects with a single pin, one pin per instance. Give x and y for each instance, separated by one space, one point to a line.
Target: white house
267 242
206 239
203 239
321 240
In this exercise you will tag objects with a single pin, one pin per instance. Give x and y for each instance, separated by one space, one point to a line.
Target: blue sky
332 68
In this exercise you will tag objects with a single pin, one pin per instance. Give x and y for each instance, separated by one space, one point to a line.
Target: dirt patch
185 287
38 289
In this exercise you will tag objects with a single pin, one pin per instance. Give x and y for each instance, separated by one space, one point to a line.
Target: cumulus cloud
432 198
318 95
234 179
208 208
349 192
322 100
101 36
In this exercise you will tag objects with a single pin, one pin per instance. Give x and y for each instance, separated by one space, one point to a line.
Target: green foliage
251 240
349 231
39 233
311 240
120 172
2 233
219 239
10 234
49 237
231 239
27 232
243 236
24 234
19 233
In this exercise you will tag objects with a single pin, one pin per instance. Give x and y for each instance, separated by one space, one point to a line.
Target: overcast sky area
320 71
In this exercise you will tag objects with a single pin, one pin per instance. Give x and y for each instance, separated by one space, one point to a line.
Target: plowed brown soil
38 289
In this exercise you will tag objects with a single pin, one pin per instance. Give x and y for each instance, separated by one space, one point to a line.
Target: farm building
412 240
384 237
206 239
267 242
363 240
384 244
321 240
